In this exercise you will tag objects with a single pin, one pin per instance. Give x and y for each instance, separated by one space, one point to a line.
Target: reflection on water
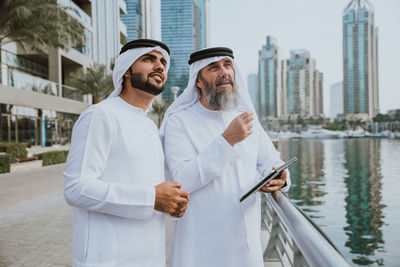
339 183
307 177
363 200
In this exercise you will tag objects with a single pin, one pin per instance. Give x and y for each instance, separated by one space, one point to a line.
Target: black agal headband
210 52
143 43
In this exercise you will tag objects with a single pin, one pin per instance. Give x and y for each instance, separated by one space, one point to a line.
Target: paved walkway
35 221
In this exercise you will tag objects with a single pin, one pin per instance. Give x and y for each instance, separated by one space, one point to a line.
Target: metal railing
22 63
86 48
71 93
19 79
13 76
290 238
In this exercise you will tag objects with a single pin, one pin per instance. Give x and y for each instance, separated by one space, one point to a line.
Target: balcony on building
122 7
31 73
122 28
79 9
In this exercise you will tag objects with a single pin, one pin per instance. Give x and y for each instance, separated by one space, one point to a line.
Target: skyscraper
270 80
139 19
336 100
184 28
304 85
252 85
360 60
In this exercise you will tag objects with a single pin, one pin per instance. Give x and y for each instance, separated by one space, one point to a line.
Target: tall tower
184 28
139 19
304 85
252 85
270 81
336 100
360 60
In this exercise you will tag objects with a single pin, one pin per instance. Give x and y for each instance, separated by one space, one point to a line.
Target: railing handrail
38 77
46 81
316 248
24 59
69 87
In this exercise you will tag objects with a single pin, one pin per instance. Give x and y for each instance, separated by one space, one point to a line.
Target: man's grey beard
222 100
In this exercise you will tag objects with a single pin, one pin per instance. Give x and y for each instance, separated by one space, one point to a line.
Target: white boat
357 133
384 134
318 132
288 135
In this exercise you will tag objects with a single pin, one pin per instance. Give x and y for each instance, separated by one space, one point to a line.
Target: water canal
350 188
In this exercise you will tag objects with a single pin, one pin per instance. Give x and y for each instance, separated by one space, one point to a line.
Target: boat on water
283 135
357 133
318 132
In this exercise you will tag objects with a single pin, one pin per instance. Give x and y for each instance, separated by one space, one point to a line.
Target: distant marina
317 132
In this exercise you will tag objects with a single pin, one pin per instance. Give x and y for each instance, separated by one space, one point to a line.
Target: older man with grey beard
216 148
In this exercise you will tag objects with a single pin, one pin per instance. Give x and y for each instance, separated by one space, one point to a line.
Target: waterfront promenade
35 221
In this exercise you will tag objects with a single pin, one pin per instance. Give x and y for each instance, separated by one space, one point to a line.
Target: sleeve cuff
230 152
151 199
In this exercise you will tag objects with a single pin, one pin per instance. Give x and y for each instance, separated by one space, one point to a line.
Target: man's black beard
139 82
220 100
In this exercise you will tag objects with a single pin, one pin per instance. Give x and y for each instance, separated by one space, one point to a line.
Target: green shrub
14 150
4 163
3 147
53 157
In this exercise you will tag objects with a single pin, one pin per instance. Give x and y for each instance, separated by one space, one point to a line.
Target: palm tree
37 24
93 80
159 109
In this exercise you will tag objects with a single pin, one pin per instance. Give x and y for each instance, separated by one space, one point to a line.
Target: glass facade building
360 60
304 85
270 79
184 30
133 19
336 100
140 19
252 85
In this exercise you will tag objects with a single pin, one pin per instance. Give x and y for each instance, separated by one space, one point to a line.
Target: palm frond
37 24
93 80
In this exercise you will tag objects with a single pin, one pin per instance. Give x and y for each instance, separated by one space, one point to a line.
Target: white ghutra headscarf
125 61
190 94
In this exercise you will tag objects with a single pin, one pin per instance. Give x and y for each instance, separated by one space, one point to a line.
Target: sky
315 25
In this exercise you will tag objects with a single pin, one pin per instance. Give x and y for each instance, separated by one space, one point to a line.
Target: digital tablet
272 175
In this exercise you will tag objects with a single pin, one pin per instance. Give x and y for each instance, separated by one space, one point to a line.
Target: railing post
298 258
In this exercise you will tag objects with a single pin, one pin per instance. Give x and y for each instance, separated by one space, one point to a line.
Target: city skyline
313 25
288 86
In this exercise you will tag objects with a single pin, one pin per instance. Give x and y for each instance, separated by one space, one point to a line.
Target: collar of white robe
125 60
190 94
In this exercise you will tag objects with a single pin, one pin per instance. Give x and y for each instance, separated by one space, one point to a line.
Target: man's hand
239 128
275 184
171 199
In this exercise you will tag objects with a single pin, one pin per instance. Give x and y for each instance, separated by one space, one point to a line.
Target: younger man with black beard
216 148
114 176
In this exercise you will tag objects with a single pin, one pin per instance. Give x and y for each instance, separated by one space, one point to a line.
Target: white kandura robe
216 230
114 164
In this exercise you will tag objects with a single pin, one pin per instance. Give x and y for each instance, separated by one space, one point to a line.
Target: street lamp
175 90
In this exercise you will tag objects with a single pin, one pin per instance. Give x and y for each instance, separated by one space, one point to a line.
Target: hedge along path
53 157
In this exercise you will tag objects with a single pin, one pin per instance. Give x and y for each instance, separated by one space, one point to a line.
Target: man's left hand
275 184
